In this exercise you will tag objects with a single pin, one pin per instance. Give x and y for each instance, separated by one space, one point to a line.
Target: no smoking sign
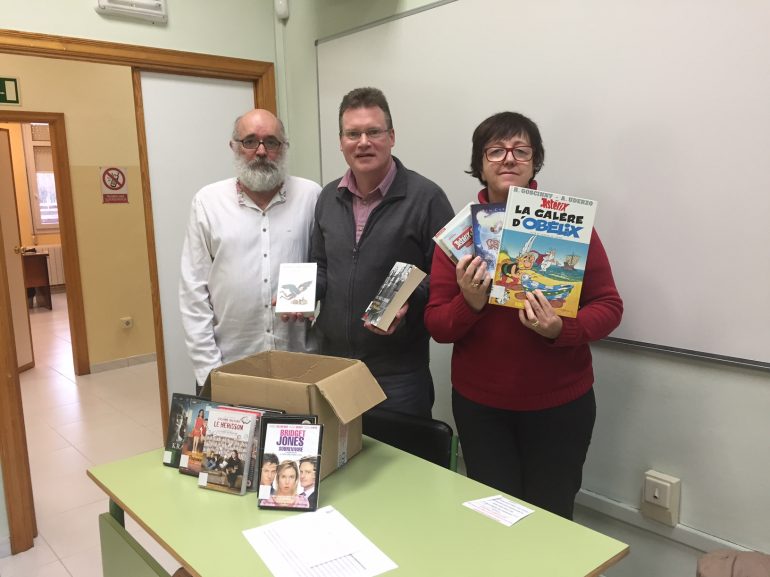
113 183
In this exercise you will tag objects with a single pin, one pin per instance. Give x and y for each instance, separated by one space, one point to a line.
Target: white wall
237 28
703 421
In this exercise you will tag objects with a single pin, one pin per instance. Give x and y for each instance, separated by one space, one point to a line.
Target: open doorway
47 247
42 310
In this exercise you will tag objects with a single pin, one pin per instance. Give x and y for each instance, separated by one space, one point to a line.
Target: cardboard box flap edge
351 392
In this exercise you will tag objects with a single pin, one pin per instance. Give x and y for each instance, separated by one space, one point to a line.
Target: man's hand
393 325
292 317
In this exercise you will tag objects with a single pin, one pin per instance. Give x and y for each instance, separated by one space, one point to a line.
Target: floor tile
29 562
62 493
42 439
73 423
85 564
63 461
74 531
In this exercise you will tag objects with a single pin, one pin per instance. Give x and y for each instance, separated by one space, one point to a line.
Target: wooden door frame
139 59
70 257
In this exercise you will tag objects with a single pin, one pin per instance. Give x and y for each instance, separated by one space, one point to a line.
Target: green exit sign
9 91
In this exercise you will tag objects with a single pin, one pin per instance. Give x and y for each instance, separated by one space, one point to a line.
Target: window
40 177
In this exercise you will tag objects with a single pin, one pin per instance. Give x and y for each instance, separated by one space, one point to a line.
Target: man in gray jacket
377 214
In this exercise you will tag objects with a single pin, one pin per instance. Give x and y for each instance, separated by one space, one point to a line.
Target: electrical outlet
126 322
660 497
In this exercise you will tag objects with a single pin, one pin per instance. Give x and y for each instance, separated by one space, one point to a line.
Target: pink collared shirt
364 205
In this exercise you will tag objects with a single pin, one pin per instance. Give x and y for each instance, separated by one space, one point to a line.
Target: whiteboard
188 122
659 110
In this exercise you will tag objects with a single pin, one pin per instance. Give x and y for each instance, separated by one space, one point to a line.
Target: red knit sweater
500 363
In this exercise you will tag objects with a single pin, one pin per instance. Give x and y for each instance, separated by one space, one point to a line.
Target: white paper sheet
319 544
500 509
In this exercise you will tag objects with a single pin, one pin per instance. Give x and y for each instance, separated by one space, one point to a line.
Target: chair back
429 439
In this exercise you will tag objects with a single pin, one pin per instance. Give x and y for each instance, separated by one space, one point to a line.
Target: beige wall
26 232
97 101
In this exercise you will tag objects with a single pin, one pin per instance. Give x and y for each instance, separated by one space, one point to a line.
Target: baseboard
631 516
123 363
5 547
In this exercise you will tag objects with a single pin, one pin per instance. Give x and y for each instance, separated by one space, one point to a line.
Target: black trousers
536 456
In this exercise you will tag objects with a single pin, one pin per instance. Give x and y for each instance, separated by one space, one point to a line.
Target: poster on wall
114 187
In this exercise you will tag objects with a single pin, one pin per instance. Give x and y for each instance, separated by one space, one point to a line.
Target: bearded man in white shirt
240 231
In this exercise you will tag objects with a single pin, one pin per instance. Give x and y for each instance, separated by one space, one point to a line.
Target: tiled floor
73 423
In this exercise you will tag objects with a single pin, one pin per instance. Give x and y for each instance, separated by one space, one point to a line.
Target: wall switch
660 497
126 322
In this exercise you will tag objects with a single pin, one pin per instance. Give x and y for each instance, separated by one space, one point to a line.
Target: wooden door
11 245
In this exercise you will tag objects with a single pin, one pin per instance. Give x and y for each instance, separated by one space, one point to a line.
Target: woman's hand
473 280
538 315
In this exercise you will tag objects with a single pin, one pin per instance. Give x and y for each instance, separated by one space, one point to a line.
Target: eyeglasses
251 142
500 153
371 134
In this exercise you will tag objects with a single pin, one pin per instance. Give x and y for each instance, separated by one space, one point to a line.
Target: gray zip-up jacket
401 228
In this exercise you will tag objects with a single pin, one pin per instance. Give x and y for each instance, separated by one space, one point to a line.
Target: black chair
429 439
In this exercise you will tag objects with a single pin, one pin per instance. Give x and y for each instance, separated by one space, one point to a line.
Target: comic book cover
188 416
290 463
544 246
456 237
400 283
487 221
296 288
229 436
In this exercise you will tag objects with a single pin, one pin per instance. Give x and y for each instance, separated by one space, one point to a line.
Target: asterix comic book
456 237
544 246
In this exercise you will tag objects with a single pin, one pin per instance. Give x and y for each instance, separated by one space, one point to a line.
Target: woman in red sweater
522 380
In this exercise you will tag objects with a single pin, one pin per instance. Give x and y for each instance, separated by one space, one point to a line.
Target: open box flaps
337 390
347 397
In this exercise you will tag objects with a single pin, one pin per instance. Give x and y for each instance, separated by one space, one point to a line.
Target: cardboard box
337 390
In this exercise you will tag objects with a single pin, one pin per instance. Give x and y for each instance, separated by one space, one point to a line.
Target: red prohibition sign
113 178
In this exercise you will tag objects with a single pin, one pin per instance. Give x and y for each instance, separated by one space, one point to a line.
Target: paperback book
296 288
487 220
186 429
400 283
229 437
456 237
544 246
296 447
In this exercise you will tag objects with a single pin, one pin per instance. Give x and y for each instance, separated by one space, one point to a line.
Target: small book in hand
401 282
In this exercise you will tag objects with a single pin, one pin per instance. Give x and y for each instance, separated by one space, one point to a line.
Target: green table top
409 508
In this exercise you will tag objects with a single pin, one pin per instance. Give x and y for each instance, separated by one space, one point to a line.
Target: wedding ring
535 323
475 284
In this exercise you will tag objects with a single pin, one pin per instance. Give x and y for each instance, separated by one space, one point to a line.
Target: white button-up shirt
229 273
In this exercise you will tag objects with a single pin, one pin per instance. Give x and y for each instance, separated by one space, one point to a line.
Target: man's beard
261 174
